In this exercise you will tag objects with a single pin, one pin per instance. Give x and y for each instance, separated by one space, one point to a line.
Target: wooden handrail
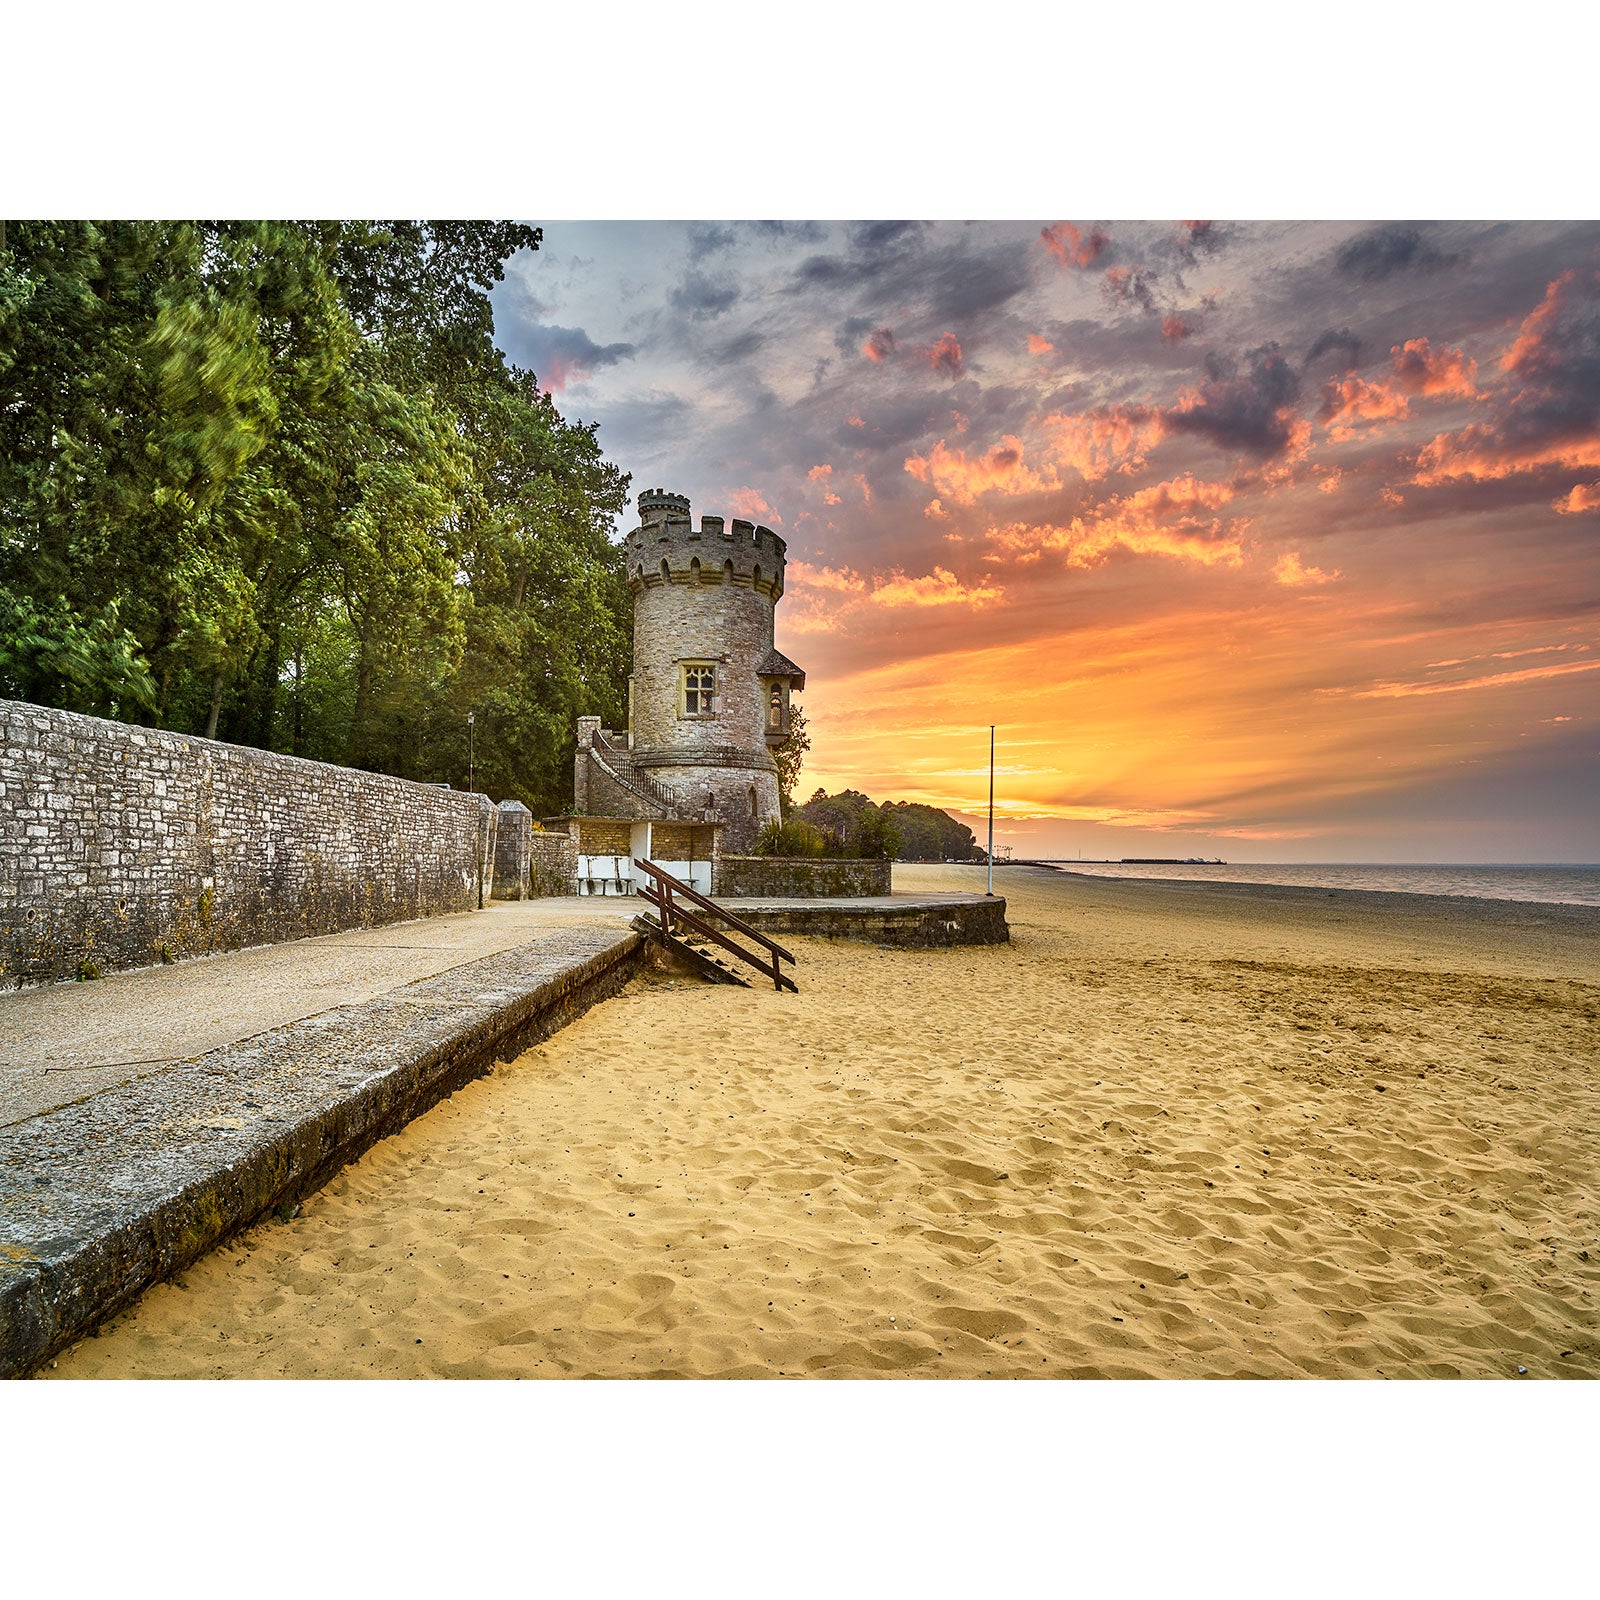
678 886
670 914
663 895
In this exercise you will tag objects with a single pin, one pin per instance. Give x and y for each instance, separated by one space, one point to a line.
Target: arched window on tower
666 571
775 710
752 800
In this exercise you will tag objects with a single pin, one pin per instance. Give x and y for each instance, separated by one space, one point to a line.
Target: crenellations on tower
666 547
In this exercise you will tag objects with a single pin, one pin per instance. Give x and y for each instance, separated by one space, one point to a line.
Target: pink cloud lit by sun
1071 246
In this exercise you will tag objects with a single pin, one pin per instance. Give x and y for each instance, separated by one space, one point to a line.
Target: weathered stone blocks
240 847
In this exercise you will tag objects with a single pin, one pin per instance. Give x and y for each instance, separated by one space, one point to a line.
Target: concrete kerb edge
47 1304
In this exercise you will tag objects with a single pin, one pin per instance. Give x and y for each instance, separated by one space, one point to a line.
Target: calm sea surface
1575 886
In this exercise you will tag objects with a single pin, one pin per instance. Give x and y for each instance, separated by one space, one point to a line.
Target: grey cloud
790 232
1251 413
1195 239
1390 248
1341 339
875 235
741 347
559 355
708 239
703 297
847 341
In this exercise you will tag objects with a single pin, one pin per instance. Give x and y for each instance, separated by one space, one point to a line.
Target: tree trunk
357 749
267 713
216 705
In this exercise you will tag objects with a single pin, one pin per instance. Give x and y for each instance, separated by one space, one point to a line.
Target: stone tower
709 695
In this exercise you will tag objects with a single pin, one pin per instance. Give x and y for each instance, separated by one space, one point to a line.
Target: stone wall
603 836
122 847
777 877
552 864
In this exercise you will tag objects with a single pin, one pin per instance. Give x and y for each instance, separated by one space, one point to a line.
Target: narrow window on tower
775 709
699 689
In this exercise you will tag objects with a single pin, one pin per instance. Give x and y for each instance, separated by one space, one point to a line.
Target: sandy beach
1169 1131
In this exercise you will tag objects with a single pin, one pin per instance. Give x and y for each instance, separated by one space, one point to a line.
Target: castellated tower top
667 548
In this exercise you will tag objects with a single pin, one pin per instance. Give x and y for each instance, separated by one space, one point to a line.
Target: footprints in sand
982 1322
637 1301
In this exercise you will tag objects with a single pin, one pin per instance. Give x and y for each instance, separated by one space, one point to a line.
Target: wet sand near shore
1170 1131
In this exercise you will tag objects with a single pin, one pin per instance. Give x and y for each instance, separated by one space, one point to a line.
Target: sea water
1555 885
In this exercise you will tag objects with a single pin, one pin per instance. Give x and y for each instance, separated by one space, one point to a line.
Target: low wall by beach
919 923
123 846
785 878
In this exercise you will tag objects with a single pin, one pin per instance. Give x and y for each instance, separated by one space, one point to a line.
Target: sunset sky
1269 541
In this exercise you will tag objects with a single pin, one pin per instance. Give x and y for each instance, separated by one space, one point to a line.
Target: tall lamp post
991 808
472 751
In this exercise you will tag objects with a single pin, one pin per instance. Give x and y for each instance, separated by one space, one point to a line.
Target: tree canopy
903 830
272 482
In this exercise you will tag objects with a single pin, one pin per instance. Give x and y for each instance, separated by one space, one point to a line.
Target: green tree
273 481
790 756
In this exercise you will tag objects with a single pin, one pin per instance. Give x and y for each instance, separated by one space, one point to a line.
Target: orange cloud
1583 497
1184 496
1165 519
1038 345
879 345
1419 370
1445 374
939 588
820 472
855 422
820 599
1175 327
955 476
748 503
944 355
1492 680
1114 437
1550 415
831 499
1481 453
861 483
1294 574
1347 402
1071 247
1531 354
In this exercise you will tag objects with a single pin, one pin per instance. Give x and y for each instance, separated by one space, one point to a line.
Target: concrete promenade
61 1042
151 1114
